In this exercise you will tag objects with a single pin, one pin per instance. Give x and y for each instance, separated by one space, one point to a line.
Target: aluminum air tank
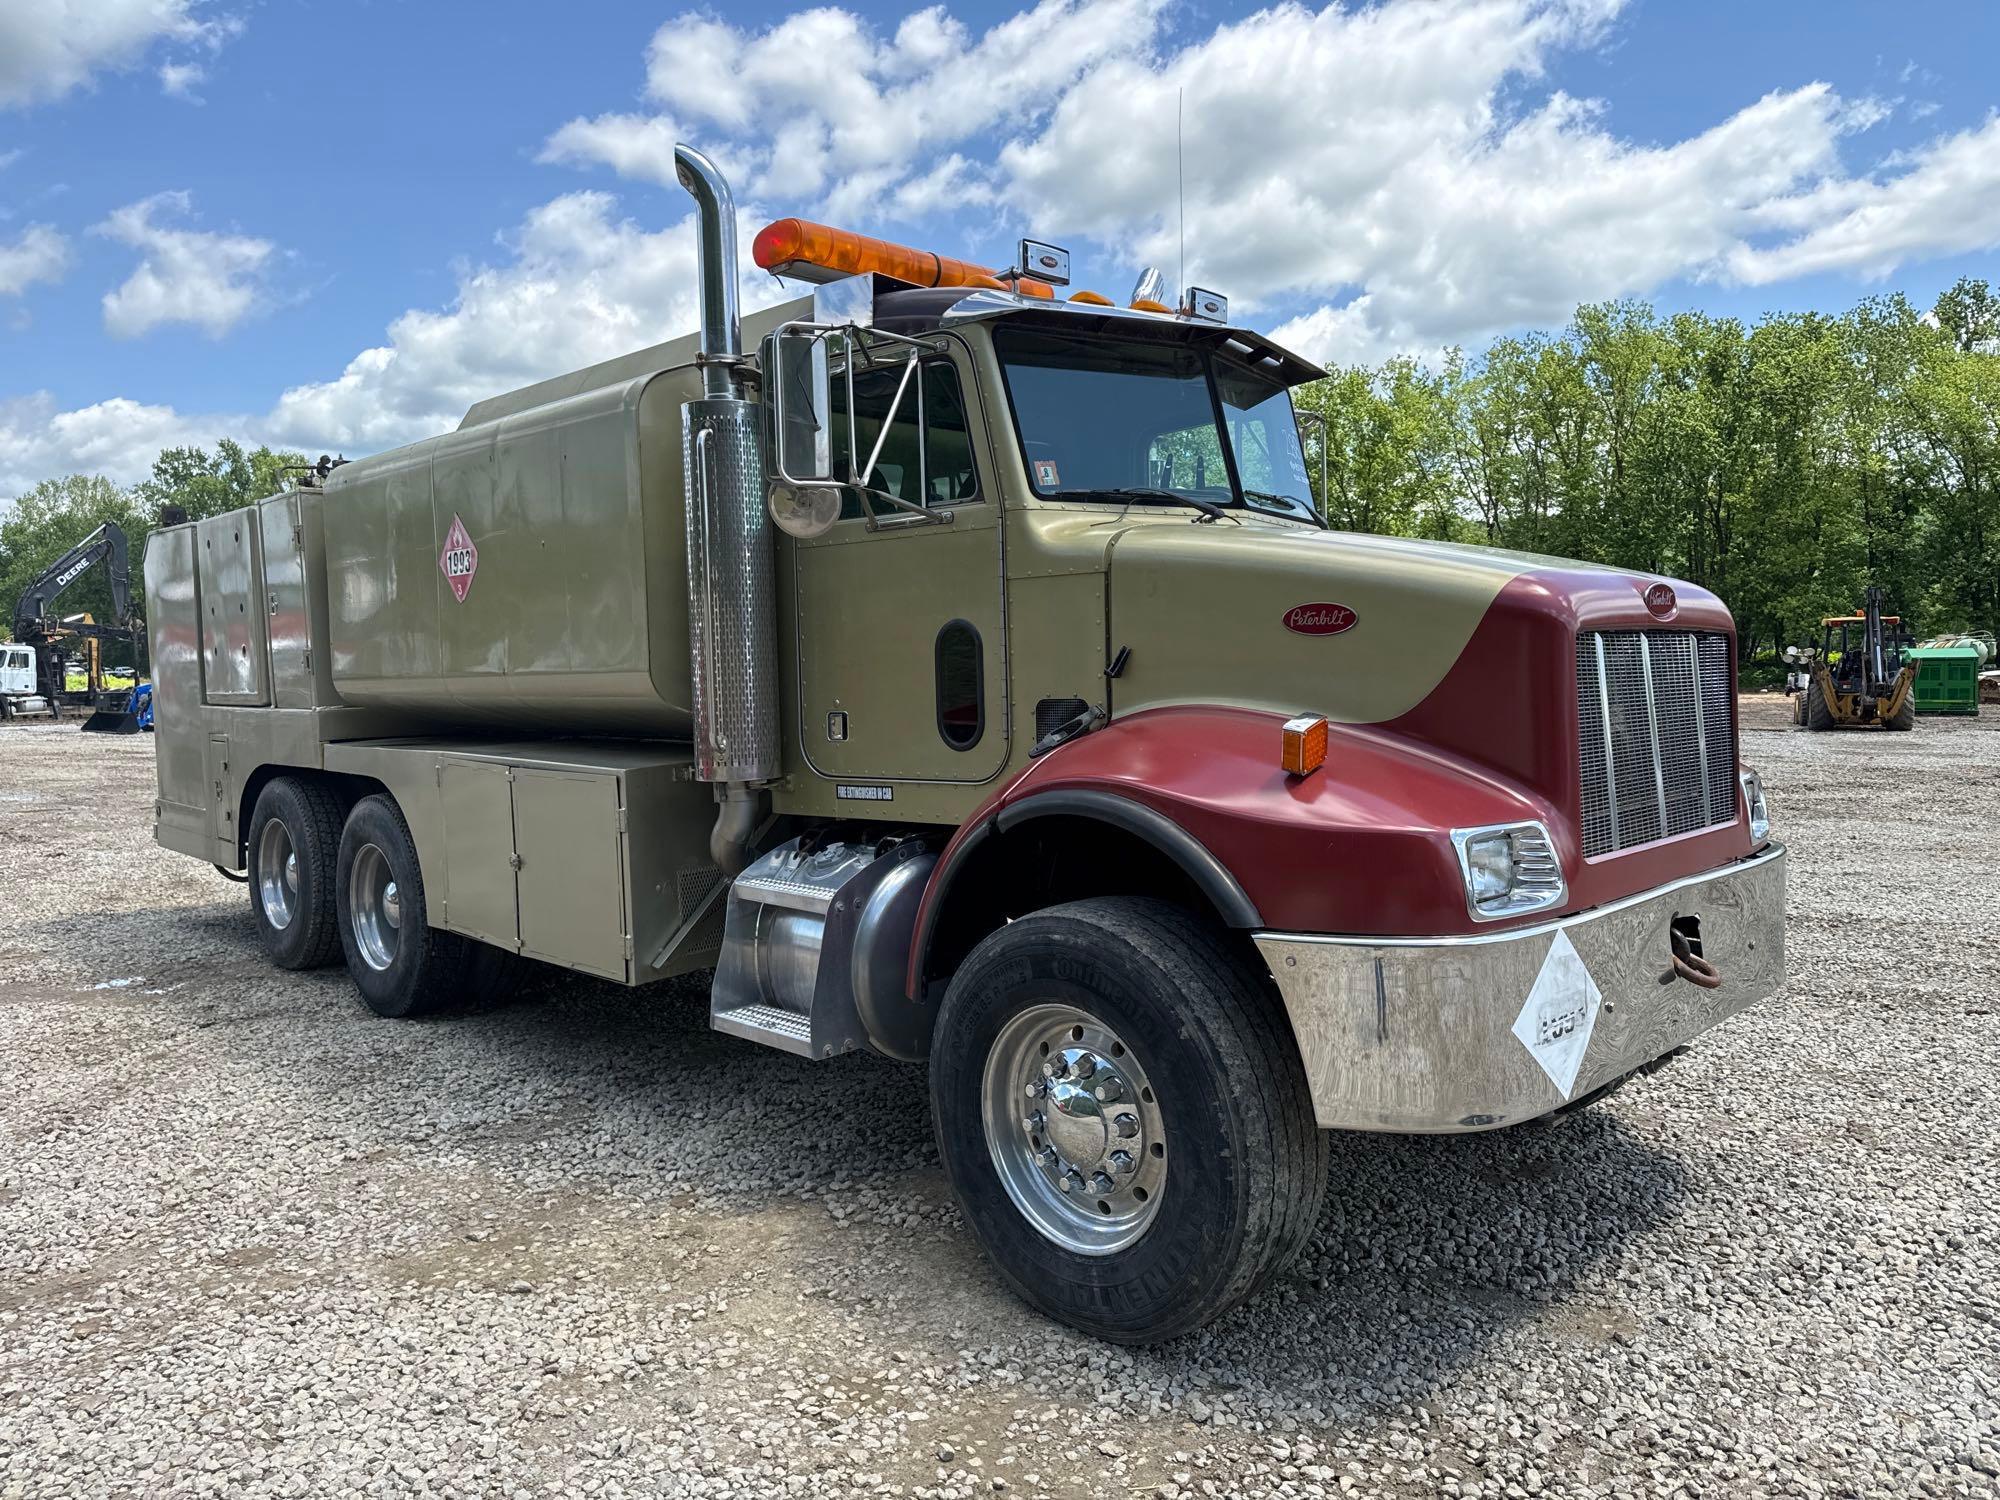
525 572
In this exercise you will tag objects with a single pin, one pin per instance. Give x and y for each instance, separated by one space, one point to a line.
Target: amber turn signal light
1305 745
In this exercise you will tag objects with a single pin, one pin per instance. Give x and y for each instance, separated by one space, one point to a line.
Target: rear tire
1906 716
294 844
402 965
1209 1105
1817 714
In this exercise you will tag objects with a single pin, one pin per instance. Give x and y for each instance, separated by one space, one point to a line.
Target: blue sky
336 224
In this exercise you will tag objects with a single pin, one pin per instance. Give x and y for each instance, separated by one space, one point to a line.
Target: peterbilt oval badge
1319 619
1660 600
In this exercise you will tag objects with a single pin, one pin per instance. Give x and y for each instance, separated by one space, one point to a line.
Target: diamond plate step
786 1030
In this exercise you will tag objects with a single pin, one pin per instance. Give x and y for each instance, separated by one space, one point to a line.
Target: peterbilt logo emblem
1319 619
1660 600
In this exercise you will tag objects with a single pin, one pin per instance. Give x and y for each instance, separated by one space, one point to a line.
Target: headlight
1509 869
1760 811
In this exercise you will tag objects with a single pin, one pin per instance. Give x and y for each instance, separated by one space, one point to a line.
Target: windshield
1151 422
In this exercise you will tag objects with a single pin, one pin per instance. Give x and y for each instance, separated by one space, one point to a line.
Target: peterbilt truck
957 668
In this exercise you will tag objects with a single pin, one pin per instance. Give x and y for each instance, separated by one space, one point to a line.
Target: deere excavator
1857 674
55 640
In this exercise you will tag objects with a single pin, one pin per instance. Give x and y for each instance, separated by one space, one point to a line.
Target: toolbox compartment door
569 834
477 800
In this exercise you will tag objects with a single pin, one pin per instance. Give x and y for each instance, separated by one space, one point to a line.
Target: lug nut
1037 1089
1122 1163
1055 1067
1033 1121
1127 1126
1072 1182
1110 1091
1048 1158
1086 1065
1101 1183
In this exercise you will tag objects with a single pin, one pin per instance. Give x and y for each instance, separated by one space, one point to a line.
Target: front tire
402 965
1170 1052
293 846
1817 714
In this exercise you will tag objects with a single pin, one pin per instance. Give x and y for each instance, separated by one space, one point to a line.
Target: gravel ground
253 1241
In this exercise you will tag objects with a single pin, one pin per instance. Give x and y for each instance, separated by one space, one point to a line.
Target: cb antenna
1180 172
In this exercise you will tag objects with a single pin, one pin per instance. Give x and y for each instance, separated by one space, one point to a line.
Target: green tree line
1785 465
58 513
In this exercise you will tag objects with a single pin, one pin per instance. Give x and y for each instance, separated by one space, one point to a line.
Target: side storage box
180 743
235 644
593 856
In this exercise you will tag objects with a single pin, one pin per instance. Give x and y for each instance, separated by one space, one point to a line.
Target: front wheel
1124 1117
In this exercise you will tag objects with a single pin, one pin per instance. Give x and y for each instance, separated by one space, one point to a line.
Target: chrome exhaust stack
732 578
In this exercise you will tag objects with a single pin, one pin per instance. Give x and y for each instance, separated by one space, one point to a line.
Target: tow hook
1684 936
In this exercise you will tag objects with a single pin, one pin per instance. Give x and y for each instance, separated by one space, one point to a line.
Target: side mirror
798 398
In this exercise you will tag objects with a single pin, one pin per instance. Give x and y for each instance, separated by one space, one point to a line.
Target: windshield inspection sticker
1045 474
1560 1013
459 560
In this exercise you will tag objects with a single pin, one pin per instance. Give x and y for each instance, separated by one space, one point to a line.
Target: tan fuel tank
527 571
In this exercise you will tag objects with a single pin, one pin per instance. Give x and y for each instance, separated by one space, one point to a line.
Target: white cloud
582 286
38 253
1941 200
8 158
858 117
48 47
196 276
117 438
1395 177
178 80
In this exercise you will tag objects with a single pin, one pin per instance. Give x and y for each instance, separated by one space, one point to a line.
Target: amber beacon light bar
816 252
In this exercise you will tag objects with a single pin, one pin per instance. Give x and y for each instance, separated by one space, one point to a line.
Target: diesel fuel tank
527 570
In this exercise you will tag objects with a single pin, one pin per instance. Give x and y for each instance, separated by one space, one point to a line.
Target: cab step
814 945
786 1030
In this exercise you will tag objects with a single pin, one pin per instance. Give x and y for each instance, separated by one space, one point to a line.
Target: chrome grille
1658 741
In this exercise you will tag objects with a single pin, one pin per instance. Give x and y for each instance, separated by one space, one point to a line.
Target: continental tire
293 846
1818 715
1178 1113
401 964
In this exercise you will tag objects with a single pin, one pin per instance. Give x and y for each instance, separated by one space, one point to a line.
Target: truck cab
950 665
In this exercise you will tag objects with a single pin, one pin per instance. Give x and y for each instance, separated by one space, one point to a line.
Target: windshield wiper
1292 506
1128 493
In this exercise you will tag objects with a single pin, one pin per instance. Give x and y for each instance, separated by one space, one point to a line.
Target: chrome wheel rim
1074 1128
374 907
277 874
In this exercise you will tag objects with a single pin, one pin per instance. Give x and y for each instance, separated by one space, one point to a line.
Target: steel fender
1363 845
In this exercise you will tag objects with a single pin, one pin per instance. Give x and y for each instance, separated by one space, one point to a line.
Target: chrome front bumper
1469 1033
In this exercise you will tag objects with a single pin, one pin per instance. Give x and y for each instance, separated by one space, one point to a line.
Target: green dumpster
1947 679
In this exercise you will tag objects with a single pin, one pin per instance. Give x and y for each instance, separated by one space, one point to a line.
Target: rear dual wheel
1124 1117
402 965
294 838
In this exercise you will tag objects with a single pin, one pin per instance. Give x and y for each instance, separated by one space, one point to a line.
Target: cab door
900 627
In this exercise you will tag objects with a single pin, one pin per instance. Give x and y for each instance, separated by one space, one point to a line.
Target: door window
937 471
